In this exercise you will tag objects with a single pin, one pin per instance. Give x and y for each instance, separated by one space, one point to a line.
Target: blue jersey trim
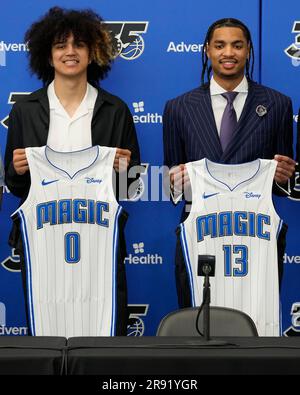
279 228
240 183
280 319
114 272
78 171
187 262
28 272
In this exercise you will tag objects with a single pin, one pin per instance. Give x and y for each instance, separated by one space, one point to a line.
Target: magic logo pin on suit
261 110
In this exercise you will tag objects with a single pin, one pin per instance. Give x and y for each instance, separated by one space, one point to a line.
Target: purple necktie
229 120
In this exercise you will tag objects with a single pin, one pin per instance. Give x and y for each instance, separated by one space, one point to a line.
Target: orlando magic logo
293 51
13 98
294 329
293 185
127 38
137 188
136 326
12 262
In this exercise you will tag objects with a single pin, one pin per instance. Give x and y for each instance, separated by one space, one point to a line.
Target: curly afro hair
56 25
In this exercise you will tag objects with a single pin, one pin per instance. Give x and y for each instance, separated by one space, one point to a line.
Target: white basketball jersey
69 224
233 217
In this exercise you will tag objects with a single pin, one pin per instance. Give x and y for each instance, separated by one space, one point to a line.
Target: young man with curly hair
70 51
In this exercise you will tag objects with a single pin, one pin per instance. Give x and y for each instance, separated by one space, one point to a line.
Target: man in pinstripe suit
192 121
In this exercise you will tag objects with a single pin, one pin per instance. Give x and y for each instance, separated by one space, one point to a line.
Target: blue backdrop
161 45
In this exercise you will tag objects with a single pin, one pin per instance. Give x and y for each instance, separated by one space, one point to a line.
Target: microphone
206 265
206 269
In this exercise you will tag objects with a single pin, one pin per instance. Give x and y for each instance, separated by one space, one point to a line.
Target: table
182 356
26 355
169 356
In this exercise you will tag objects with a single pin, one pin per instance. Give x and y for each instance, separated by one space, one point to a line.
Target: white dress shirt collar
216 89
219 102
87 104
71 133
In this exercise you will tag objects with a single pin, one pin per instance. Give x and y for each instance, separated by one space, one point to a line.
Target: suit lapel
249 120
205 124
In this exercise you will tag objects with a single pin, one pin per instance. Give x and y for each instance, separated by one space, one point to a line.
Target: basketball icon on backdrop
12 262
293 51
293 185
133 50
136 325
294 329
139 186
127 38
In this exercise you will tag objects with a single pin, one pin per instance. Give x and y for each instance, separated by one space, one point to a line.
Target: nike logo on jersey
210 195
44 182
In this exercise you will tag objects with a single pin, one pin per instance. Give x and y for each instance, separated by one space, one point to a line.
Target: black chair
223 322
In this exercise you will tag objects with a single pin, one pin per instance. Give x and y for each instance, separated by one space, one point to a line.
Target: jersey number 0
72 247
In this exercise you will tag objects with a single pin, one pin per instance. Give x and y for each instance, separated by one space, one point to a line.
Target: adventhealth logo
182 47
145 259
2 58
138 248
10 47
2 314
291 259
13 330
14 47
139 107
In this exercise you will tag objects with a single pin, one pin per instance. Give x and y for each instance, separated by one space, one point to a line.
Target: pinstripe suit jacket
190 131
190 134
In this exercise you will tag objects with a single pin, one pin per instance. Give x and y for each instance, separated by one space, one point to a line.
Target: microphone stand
207 341
206 308
206 268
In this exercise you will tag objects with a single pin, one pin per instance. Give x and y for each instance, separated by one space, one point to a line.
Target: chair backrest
223 322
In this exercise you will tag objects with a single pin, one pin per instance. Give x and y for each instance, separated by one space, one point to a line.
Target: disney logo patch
92 180
249 195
